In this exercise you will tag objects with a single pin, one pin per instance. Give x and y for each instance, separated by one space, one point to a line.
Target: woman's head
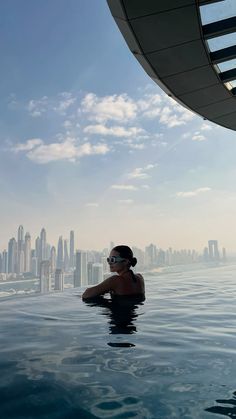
121 258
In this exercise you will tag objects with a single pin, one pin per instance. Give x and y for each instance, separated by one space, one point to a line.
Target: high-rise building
97 273
72 249
105 264
53 259
34 266
21 262
60 259
59 280
4 262
213 250
224 258
151 255
43 246
37 248
48 251
80 273
161 257
12 256
45 278
20 250
140 255
66 257
205 254
90 272
27 253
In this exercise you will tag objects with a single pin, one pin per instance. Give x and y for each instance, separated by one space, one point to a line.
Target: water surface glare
172 356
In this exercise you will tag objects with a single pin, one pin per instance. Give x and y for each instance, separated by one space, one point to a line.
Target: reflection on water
225 410
169 358
121 313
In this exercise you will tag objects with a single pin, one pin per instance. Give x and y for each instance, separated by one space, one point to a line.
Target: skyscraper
43 244
53 259
150 255
72 249
59 280
60 259
90 272
80 273
66 256
213 250
4 262
27 253
45 279
37 248
12 255
20 250
97 273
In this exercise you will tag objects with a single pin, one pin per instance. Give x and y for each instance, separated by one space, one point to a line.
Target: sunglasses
115 259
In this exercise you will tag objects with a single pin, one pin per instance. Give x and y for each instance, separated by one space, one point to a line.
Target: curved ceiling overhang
169 41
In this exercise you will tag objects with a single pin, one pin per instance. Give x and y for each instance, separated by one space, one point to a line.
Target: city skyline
89 142
63 265
70 242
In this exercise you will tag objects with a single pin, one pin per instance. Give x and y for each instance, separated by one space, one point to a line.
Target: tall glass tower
20 250
72 249
12 256
43 245
27 261
60 259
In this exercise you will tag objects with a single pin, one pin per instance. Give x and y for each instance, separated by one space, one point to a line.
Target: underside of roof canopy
168 39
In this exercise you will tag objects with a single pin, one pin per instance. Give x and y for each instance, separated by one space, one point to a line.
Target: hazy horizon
89 143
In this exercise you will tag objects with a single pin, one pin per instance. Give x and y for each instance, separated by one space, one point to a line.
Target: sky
90 143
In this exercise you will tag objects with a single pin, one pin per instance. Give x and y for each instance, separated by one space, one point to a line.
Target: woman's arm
100 289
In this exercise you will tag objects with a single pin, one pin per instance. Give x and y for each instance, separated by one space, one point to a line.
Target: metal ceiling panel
137 8
206 96
153 32
217 109
168 42
191 80
227 120
178 59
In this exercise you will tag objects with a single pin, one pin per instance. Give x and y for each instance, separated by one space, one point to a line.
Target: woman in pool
126 283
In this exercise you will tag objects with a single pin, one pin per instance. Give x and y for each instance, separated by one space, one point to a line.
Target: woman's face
117 263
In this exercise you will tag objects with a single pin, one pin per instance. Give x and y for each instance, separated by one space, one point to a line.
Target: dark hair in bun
126 253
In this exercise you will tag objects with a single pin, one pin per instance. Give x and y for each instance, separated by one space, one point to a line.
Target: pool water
172 356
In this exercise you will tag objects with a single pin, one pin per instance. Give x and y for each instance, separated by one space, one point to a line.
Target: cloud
58 104
149 105
115 131
165 109
125 187
29 145
198 137
175 116
68 149
136 146
196 192
63 104
206 127
109 108
38 107
140 173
